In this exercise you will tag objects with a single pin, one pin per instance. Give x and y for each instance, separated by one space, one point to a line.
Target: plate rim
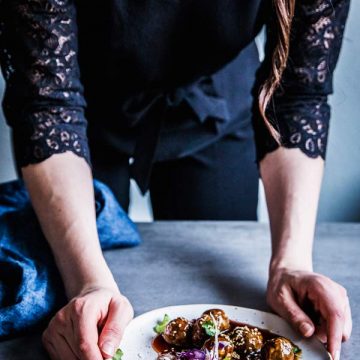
211 306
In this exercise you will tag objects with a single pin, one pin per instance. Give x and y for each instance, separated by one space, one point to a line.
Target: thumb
119 315
291 311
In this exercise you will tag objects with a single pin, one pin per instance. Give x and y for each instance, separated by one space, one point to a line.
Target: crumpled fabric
31 289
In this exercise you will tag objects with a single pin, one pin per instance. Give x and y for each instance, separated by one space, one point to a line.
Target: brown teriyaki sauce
161 346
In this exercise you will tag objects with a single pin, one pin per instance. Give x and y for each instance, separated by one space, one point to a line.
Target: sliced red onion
192 355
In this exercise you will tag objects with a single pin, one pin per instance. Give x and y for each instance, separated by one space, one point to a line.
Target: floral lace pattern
57 130
318 31
46 74
306 126
299 107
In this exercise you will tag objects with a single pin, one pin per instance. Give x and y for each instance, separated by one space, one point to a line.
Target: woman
168 84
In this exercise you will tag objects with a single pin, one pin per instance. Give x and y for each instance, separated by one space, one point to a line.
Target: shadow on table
230 278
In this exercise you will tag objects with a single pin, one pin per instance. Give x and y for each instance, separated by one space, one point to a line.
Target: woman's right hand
90 326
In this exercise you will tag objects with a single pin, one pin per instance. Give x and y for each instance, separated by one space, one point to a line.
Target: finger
333 309
59 349
51 351
64 349
291 311
49 347
61 324
335 327
119 315
348 321
72 338
85 333
321 332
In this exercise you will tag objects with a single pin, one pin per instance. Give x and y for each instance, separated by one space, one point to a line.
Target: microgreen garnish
217 332
209 327
118 355
296 350
161 325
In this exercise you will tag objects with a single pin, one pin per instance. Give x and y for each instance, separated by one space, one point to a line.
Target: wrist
90 273
291 251
91 285
280 263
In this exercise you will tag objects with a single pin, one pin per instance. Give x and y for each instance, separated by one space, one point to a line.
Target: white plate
136 343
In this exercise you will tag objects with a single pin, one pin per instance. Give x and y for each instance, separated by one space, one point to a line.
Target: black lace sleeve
43 100
300 108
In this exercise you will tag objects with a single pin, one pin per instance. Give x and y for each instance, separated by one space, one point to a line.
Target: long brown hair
284 10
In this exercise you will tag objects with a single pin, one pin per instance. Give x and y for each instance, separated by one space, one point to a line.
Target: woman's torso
200 52
163 43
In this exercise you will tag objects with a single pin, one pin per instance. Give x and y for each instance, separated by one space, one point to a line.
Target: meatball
246 340
225 350
178 332
220 317
279 349
199 334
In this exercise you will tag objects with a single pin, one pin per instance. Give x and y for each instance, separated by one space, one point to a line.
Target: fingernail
108 348
305 329
337 355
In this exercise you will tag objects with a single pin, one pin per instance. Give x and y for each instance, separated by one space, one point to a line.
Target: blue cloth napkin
30 286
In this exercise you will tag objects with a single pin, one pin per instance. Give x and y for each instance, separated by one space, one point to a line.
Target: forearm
292 185
61 191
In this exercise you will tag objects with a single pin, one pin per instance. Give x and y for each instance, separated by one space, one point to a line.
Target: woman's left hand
290 292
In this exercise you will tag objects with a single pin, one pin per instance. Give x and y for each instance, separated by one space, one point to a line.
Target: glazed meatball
226 347
199 334
246 340
220 317
178 332
279 349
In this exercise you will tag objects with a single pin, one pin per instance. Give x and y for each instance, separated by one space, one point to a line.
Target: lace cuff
304 125
51 131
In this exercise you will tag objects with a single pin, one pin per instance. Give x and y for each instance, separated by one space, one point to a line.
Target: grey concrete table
215 262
